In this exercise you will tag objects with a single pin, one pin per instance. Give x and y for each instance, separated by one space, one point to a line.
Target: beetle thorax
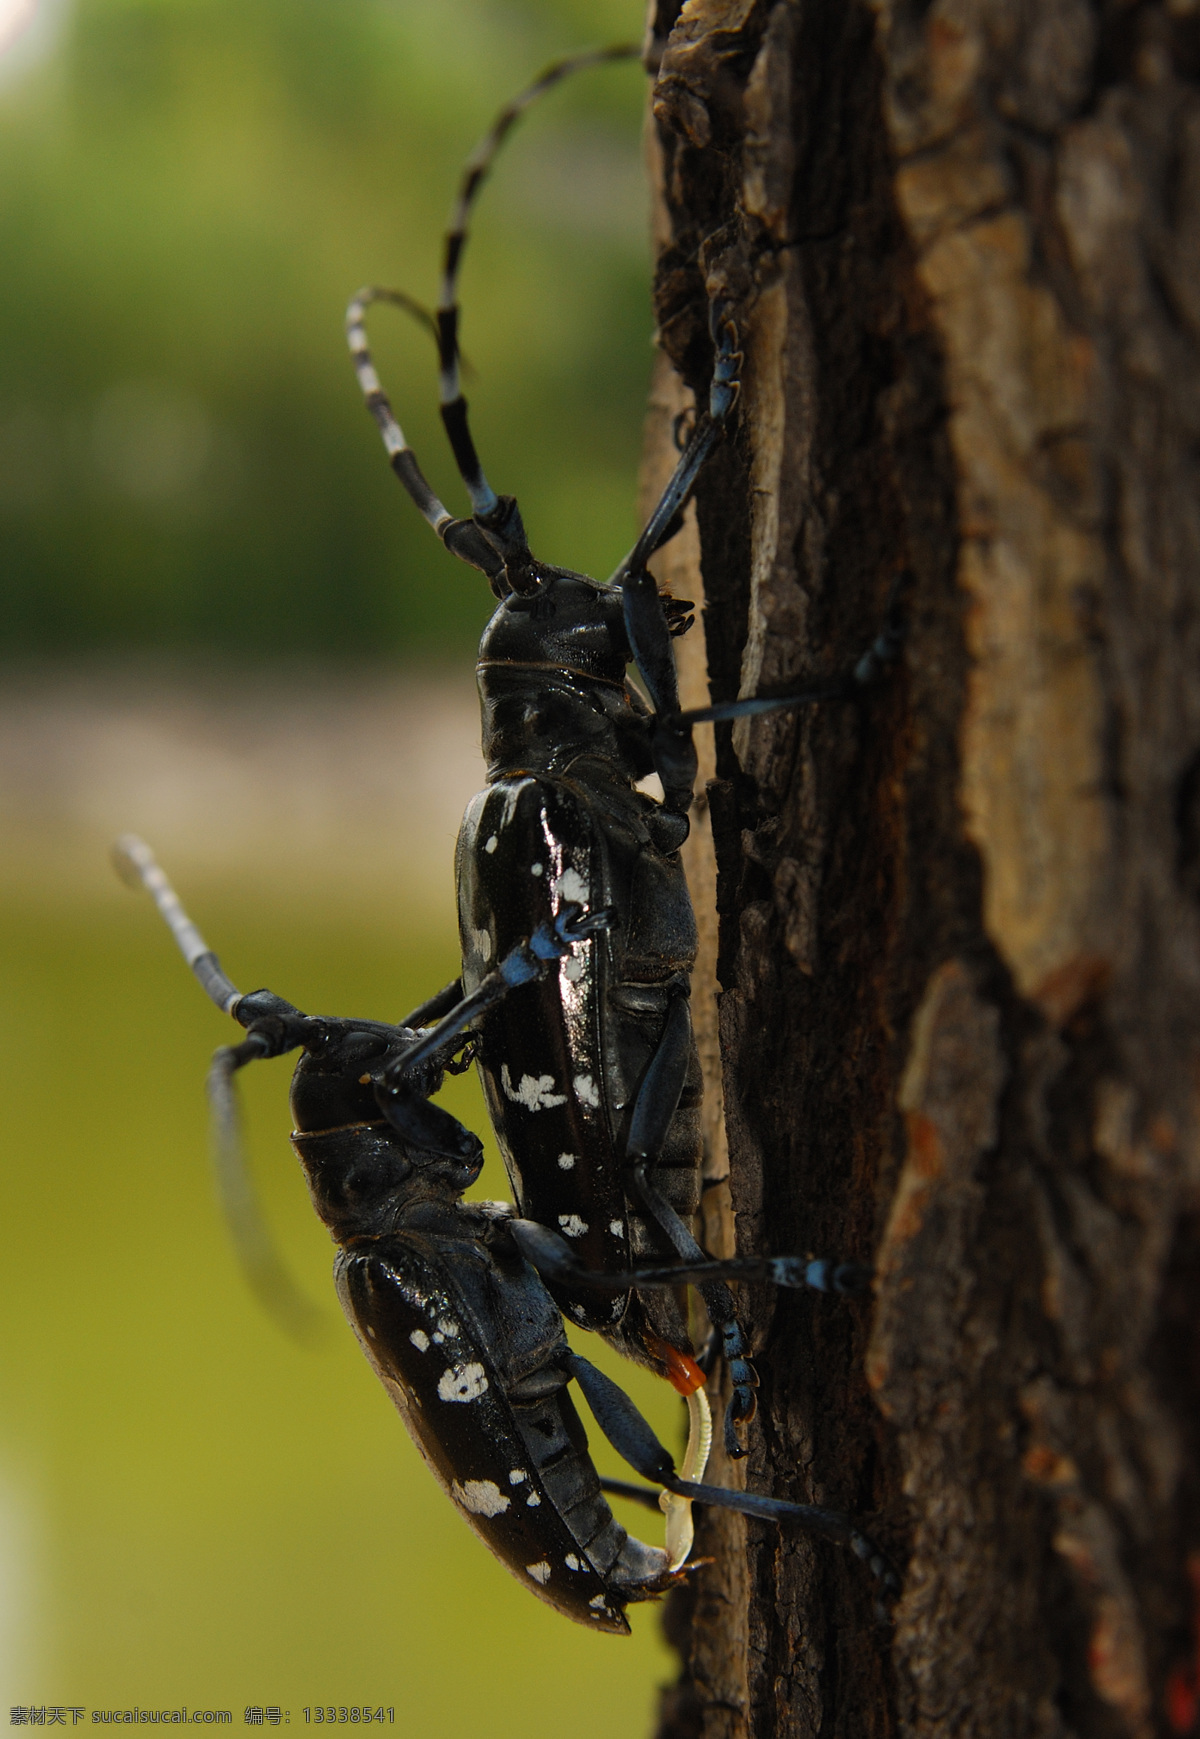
547 724
552 687
569 624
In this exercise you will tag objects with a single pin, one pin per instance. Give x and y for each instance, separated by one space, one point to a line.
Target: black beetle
590 1074
446 1299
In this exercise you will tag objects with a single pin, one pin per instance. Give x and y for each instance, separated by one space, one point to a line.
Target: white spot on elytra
586 1091
516 1475
579 1311
572 1225
571 1561
539 1572
532 1501
482 1497
462 1383
536 1092
573 968
617 1228
600 1602
571 886
420 1340
491 844
370 1331
537 869
566 1161
449 1327
438 1338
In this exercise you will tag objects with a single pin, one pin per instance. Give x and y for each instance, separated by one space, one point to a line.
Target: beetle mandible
590 1074
446 1297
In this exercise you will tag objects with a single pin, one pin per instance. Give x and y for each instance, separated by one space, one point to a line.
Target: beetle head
365 1148
566 623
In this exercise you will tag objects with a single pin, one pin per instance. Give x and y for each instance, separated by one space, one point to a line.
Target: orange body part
683 1373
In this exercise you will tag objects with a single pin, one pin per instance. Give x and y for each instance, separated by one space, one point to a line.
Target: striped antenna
400 455
460 537
475 173
137 865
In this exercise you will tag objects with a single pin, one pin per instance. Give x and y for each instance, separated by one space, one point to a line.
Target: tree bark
958 953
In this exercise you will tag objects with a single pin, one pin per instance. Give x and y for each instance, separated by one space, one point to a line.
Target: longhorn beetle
445 1296
590 1072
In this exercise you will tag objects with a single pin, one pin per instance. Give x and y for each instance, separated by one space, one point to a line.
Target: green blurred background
222 624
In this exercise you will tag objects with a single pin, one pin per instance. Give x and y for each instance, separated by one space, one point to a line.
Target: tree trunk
958 954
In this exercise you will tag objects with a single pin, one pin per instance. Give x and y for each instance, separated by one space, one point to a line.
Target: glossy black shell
561 1060
465 1338
492 1419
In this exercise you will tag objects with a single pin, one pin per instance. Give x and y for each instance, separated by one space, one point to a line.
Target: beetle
446 1298
590 1074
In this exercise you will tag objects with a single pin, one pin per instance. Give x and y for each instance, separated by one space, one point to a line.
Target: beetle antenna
505 545
260 1262
460 536
484 500
137 866
269 1280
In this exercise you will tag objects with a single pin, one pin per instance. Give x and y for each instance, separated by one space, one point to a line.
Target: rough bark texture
959 939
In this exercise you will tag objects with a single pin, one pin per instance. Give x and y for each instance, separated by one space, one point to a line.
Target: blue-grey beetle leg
658 1097
635 1442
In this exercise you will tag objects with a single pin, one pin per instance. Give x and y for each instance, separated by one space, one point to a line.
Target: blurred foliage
189 192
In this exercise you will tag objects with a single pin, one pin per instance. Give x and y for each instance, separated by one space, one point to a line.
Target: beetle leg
646 623
634 1441
722 396
429 1129
662 1085
657 1100
557 1262
525 962
718 1302
821 1275
434 1007
866 669
646 1495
